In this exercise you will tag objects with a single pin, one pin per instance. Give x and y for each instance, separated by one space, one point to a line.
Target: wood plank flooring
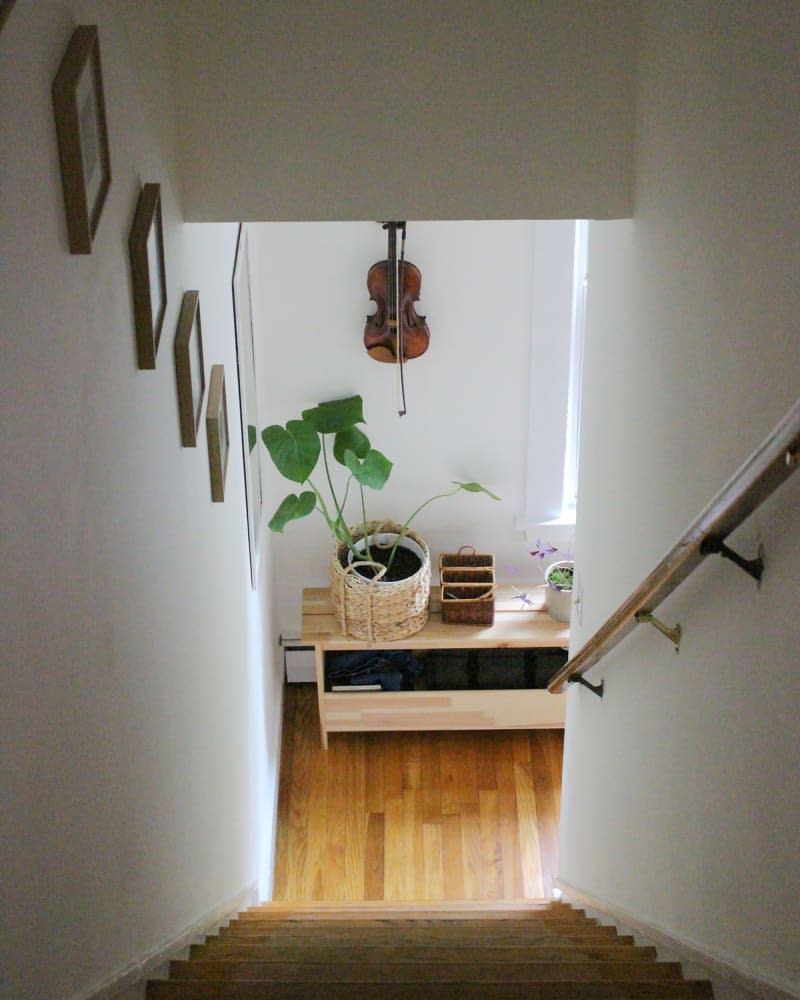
414 816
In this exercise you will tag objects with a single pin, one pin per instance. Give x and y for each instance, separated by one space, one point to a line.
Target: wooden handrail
769 465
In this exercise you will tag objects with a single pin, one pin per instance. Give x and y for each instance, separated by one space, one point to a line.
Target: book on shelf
355 688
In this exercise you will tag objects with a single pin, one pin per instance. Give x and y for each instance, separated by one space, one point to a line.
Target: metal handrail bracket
763 472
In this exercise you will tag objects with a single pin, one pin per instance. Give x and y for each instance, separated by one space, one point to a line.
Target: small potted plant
559 579
380 570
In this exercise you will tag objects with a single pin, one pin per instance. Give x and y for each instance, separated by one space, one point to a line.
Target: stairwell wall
139 707
681 796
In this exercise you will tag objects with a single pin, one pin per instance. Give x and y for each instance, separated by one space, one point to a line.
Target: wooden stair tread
425 920
572 952
197 990
419 935
457 970
254 947
468 930
461 910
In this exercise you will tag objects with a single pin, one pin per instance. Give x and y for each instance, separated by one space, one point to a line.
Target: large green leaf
294 449
350 439
292 508
476 488
335 415
373 471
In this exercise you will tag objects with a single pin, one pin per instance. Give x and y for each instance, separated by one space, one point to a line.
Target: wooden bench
517 625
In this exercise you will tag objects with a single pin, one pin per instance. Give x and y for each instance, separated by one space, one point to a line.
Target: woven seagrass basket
467 579
371 609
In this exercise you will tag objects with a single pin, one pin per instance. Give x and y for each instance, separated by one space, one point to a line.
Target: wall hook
673 634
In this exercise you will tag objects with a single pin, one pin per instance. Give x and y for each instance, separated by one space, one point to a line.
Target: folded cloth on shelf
393 669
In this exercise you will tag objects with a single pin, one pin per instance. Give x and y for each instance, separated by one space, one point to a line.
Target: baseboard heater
298 660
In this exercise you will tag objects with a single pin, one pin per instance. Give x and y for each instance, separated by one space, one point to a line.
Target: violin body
394 287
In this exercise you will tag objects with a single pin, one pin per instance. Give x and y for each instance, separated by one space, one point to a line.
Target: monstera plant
325 436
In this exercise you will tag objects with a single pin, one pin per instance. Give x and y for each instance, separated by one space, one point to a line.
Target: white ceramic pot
385 540
557 602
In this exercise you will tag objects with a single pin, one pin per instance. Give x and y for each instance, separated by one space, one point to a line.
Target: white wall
681 795
138 727
467 396
433 110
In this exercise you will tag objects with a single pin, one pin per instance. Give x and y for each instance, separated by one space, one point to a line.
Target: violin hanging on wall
395 333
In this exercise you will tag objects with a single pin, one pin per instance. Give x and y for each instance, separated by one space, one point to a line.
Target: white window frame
556 366
577 337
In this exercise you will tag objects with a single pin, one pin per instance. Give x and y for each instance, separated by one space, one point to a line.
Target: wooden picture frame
248 401
190 373
148 274
82 134
5 10
218 433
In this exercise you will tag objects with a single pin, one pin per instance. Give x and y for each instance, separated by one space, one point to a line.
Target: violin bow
401 388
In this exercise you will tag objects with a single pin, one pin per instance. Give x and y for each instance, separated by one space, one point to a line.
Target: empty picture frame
217 433
248 403
190 372
82 136
148 274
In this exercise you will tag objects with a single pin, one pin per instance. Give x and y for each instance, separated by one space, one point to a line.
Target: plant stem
342 531
364 519
422 506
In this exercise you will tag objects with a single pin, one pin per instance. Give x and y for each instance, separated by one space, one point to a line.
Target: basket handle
351 568
466 550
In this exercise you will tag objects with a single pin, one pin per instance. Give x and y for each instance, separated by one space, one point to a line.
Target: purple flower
542 550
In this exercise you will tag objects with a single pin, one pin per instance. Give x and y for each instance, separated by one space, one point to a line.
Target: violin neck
394 320
393 270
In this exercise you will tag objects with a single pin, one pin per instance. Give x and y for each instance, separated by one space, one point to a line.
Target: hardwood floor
414 816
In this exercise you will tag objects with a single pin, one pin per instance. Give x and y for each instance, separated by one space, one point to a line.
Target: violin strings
401 389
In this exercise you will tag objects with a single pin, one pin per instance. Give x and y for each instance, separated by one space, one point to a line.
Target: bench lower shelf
441 710
436 710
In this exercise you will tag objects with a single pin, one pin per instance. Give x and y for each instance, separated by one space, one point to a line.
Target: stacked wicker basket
467 581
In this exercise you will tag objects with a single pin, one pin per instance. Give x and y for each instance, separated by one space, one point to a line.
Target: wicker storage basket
466 559
371 609
467 579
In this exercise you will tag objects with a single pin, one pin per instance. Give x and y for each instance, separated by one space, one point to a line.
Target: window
569 495
557 336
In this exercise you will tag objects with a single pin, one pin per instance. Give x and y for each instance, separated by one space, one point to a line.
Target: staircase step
503 933
468 925
471 922
434 953
453 971
459 910
196 990
380 909
257 947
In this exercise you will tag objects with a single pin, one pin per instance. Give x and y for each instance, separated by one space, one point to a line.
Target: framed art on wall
148 274
190 373
248 402
5 10
82 135
217 432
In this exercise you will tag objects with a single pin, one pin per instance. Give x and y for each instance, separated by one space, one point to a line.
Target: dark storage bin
546 664
446 670
501 669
